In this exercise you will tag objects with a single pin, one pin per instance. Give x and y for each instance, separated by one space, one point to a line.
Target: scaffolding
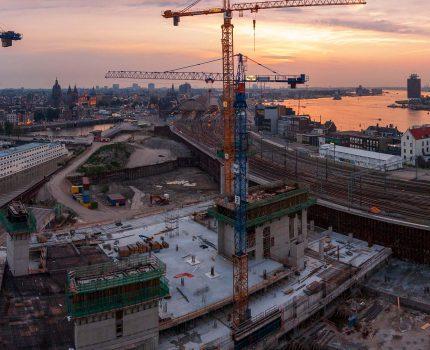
260 220
113 285
171 221
27 226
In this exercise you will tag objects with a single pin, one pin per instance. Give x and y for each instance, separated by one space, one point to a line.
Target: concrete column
312 226
259 243
296 226
221 180
221 235
18 253
305 225
321 248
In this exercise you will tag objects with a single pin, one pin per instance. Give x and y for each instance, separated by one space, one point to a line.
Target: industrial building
17 159
303 129
374 139
362 158
416 145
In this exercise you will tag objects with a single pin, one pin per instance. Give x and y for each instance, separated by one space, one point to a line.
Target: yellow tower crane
240 282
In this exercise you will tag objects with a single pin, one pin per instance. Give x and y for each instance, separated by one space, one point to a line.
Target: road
59 188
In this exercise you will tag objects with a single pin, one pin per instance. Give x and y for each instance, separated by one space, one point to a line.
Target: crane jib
260 5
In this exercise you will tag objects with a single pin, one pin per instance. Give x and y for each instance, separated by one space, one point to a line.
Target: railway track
342 184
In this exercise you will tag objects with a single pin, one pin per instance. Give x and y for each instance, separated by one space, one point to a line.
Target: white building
362 158
17 159
12 118
415 144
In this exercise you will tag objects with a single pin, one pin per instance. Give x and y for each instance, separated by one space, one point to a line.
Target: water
80 131
356 113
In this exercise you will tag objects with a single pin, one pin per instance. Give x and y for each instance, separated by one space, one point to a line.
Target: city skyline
378 44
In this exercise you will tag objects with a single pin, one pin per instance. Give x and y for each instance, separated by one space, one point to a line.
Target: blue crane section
8 37
240 266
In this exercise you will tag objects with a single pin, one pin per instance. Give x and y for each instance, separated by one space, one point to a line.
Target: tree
52 114
17 131
39 116
8 128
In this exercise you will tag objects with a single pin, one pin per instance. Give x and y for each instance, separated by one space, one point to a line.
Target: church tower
56 94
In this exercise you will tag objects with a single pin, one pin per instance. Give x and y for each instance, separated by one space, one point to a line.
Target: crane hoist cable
194 3
195 65
220 59
262 65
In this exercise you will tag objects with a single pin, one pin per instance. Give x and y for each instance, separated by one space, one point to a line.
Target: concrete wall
18 254
407 240
140 327
225 240
208 163
288 239
137 172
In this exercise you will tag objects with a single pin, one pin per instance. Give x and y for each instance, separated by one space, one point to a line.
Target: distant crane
240 268
292 80
7 37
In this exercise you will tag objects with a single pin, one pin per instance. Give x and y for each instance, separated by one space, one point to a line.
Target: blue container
86 199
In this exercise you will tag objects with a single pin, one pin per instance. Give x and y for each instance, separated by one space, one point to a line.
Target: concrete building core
277 226
115 304
19 224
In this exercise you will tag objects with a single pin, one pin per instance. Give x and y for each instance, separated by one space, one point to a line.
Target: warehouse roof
359 152
23 148
116 197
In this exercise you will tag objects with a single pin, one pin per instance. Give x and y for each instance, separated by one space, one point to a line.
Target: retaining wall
137 172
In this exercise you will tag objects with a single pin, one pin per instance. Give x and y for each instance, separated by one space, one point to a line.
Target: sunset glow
379 43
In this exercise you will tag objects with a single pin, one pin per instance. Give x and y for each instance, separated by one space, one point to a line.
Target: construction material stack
82 194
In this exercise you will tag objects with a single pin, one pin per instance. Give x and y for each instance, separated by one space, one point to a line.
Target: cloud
279 57
78 40
381 25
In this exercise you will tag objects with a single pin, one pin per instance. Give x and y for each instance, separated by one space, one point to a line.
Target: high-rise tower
414 86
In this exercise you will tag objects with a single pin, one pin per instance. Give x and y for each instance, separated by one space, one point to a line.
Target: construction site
213 247
154 279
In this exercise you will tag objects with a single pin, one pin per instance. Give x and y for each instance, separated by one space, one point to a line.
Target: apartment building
17 159
416 144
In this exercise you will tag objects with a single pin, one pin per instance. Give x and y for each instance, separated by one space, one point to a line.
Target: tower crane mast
240 170
227 10
240 269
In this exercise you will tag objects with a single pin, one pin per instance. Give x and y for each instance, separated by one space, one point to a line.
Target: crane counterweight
8 37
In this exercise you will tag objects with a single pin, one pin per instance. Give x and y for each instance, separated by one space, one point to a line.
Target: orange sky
79 40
